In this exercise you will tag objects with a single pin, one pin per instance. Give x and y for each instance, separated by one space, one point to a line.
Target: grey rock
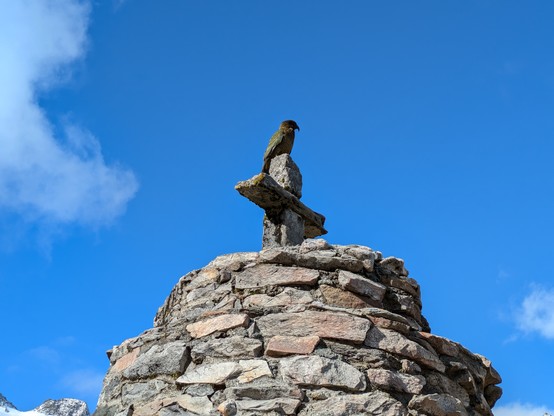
394 265
142 392
315 371
439 383
215 373
438 405
288 297
333 325
374 403
287 174
396 343
234 261
232 347
272 275
281 405
314 244
282 228
200 390
390 380
361 285
217 323
265 192
492 394
63 407
5 403
265 391
311 260
170 359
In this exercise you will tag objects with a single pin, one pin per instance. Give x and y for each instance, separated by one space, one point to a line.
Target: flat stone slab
253 369
219 323
231 347
280 346
316 371
282 405
438 405
374 403
442 345
342 298
126 360
272 275
265 192
170 358
333 325
392 380
311 260
393 342
216 373
358 284
288 297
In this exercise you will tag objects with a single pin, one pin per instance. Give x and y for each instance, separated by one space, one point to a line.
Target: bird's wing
275 140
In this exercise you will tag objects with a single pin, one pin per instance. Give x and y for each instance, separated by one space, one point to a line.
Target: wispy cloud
83 382
50 177
536 312
522 409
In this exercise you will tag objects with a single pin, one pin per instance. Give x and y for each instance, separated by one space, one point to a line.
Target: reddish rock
390 380
342 298
333 325
390 324
442 345
273 275
126 360
219 323
280 346
393 342
361 285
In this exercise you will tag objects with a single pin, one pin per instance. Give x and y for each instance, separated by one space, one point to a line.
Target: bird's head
290 124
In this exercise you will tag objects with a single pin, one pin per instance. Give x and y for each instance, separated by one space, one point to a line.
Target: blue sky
426 133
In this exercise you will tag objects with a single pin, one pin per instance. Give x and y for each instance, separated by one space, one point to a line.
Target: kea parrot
280 143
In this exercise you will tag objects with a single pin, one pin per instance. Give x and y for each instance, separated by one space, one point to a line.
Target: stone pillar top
287 220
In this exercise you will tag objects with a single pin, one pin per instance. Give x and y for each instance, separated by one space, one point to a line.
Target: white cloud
84 382
522 409
44 177
536 313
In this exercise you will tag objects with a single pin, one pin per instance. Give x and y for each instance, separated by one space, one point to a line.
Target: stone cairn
302 327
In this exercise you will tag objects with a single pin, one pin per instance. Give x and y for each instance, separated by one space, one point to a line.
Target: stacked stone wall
313 329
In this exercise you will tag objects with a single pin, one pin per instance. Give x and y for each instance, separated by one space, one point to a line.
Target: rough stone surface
313 329
279 346
232 347
216 373
272 275
63 407
332 325
362 286
315 371
393 342
169 358
282 405
287 174
342 298
391 380
375 403
219 323
438 405
287 221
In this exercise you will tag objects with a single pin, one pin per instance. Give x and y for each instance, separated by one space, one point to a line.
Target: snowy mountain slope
63 407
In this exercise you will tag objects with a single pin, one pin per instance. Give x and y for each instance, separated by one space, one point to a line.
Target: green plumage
280 143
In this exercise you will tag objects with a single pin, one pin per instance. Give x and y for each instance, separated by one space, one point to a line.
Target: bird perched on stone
281 142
